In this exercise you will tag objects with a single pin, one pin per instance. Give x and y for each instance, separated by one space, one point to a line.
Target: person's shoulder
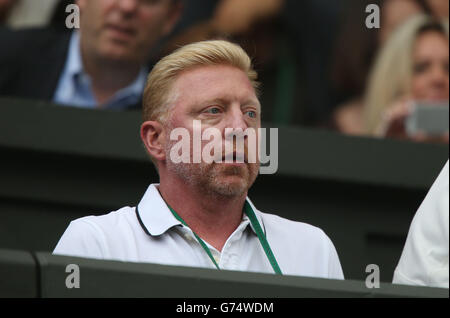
94 236
28 40
110 220
302 249
283 227
32 35
276 221
91 235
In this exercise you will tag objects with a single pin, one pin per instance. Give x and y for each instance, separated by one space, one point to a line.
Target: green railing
25 274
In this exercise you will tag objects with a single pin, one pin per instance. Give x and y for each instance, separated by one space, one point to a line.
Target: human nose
236 119
128 6
235 134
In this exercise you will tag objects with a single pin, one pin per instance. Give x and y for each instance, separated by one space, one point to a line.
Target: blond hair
157 97
392 72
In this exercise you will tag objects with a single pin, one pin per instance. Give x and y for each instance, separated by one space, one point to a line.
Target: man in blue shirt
104 64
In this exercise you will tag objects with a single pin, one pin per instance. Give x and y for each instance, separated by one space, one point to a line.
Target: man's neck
212 217
107 77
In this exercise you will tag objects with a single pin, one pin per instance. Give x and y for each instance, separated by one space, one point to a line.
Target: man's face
220 97
125 30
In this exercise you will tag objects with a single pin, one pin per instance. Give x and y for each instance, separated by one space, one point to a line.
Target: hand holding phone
416 120
430 119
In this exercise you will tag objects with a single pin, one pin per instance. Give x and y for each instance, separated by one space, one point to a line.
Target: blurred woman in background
356 49
411 67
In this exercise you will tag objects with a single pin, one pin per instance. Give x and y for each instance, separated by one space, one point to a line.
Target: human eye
251 113
420 67
150 2
214 110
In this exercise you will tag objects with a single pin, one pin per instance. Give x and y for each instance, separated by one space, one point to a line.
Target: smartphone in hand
431 119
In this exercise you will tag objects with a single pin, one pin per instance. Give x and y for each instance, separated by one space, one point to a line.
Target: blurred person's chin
433 98
437 98
118 51
232 179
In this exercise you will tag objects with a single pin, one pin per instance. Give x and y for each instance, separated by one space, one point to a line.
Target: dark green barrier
98 278
19 274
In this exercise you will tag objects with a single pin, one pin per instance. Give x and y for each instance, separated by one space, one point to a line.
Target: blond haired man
199 214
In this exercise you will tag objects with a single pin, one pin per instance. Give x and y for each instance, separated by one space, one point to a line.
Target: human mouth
121 32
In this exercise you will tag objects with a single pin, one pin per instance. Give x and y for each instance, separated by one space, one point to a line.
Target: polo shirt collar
156 218
154 214
258 216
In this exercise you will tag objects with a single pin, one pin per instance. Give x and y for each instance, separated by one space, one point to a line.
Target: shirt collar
258 217
75 64
135 89
156 218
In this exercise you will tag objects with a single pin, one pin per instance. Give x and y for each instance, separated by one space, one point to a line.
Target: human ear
152 135
81 3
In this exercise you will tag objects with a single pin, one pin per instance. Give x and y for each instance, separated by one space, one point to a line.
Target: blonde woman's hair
392 72
158 95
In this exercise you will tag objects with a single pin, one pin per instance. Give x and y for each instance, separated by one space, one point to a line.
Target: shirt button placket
188 237
216 257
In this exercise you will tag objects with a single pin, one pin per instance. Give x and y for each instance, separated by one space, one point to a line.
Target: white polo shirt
424 259
152 234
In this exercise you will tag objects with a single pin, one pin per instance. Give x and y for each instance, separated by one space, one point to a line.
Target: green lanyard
261 236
